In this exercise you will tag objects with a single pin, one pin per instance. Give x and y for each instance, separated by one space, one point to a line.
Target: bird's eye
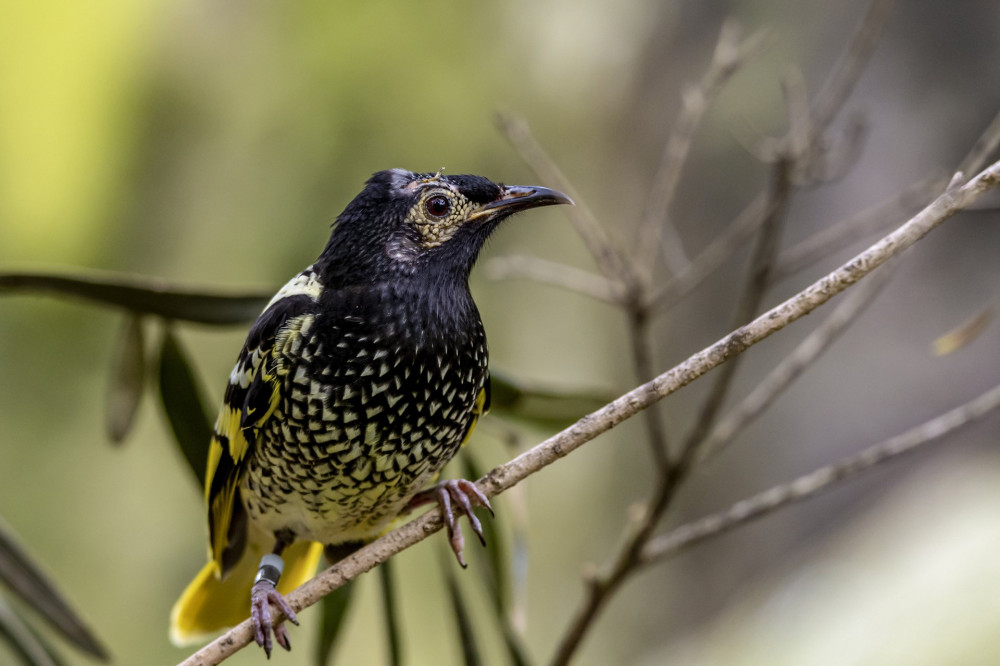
438 206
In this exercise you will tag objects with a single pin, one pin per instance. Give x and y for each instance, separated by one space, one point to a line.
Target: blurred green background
211 143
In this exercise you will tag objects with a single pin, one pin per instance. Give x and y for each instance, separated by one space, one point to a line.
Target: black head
412 224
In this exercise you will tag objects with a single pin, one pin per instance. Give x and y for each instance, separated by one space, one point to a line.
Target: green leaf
25 643
334 609
25 579
494 569
183 404
546 406
127 380
386 570
470 648
145 296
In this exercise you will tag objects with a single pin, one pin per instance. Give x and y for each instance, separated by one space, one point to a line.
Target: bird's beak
520 197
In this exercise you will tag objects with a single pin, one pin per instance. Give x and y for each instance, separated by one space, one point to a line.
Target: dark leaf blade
27 581
127 380
494 571
184 406
334 609
145 296
28 647
546 406
471 655
389 608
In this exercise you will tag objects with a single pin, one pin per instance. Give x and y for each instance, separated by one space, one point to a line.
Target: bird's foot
262 596
456 498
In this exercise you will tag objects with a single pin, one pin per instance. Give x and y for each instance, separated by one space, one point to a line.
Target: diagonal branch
606 254
555 274
819 481
725 245
600 589
839 235
793 365
505 476
839 85
761 267
657 232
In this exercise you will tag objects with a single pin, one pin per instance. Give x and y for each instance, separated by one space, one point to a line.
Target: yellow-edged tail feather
209 604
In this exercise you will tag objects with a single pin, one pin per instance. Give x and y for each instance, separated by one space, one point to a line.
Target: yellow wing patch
481 407
253 394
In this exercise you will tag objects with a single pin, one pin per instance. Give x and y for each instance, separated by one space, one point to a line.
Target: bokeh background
211 143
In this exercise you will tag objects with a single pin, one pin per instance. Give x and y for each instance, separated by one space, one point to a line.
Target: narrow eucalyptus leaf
471 655
184 406
145 296
25 579
389 607
24 643
494 569
545 406
127 380
494 573
334 609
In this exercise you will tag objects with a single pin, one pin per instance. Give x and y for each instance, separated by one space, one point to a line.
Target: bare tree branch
839 235
985 146
820 481
725 245
555 274
761 265
657 232
793 365
642 363
607 255
839 85
803 154
600 588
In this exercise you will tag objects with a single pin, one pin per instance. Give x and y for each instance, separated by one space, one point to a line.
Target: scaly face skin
360 380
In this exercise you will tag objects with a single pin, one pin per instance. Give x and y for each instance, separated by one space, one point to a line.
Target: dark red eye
438 206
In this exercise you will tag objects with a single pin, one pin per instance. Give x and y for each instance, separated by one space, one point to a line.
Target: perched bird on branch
361 379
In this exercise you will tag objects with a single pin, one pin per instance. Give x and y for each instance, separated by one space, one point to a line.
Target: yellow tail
209 605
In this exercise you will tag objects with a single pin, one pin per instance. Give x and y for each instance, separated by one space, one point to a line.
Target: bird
364 375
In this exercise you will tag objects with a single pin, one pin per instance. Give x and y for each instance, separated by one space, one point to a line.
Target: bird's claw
456 497
262 596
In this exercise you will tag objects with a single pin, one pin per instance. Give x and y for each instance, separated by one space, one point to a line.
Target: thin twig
642 364
606 254
793 365
725 245
657 232
842 80
837 236
509 474
817 482
986 146
761 266
555 274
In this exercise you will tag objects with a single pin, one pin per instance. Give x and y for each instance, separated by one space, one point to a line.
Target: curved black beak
521 197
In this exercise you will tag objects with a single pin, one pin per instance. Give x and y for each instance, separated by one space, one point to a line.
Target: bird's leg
264 593
460 497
